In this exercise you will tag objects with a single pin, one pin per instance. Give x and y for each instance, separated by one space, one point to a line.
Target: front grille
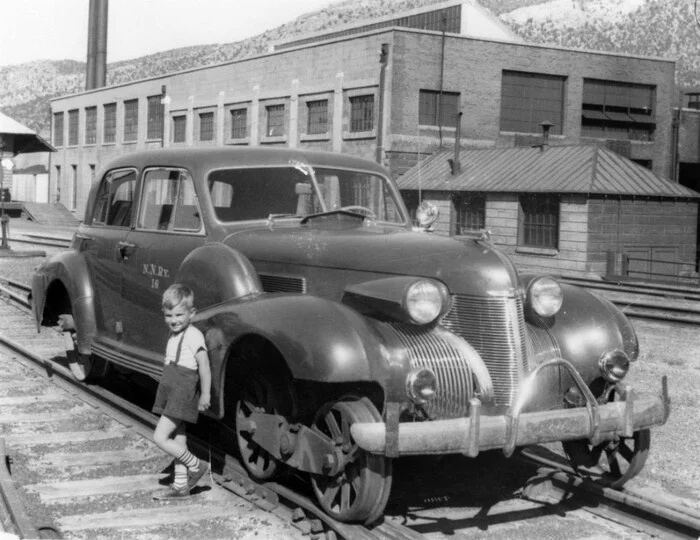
495 327
426 348
283 283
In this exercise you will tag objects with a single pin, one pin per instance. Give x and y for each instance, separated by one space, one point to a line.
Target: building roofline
387 30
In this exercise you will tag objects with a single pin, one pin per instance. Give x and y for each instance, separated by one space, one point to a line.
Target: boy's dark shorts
178 394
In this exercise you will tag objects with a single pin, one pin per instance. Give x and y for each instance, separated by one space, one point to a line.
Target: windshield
298 191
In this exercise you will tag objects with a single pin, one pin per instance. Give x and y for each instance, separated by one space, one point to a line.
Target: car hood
466 267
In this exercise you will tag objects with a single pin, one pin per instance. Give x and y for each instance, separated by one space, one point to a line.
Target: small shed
573 210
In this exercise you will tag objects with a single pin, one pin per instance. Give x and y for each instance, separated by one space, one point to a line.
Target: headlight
423 301
614 365
544 296
421 385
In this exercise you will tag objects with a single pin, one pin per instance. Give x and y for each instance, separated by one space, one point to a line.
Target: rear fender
67 270
320 340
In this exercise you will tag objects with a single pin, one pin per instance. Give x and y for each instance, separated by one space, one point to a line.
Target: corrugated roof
557 169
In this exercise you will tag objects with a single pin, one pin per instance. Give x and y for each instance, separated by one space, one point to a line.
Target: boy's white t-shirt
192 342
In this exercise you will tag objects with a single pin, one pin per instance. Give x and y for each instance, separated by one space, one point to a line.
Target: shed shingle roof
557 169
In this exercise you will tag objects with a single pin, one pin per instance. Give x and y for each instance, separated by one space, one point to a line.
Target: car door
168 227
101 242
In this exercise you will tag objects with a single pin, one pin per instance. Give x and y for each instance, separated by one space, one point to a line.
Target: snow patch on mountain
574 13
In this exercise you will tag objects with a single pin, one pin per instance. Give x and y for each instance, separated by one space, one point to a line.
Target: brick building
390 90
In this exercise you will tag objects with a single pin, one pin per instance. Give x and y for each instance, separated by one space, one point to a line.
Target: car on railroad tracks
340 335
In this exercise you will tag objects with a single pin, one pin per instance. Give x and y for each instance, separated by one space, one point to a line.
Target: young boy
183 391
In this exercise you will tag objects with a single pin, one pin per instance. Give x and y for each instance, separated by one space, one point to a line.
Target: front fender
586 327
67 269
320 340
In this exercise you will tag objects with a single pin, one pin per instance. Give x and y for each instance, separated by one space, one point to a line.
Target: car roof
204 159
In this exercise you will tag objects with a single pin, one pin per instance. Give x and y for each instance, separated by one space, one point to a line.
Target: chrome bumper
476 433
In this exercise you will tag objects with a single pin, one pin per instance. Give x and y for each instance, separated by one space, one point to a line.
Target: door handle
126 249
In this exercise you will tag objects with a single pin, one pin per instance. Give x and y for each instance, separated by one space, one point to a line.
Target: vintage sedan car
341 336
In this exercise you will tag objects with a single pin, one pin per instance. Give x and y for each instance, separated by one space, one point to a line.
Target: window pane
362 113
58 129
115 198
90 125
527 99
239 123
179 127
206 126
155 117
110 123
471 212
169 202
131 119
540 223
318 116
73 127
275 120
430 102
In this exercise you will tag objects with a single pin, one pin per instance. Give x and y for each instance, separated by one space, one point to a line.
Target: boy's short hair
178 294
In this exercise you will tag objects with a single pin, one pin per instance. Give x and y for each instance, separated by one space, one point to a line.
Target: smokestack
96 69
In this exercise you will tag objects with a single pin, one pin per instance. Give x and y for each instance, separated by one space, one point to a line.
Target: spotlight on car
614 365
421 385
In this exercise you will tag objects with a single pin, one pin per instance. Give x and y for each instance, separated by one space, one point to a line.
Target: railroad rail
554 486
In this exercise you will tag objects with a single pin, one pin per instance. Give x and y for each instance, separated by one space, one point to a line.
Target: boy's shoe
171 493
196 476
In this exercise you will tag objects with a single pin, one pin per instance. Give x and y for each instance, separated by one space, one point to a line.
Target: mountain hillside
665 28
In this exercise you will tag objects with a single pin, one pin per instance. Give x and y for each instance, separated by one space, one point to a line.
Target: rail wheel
610 463
359 492
256 394
83 366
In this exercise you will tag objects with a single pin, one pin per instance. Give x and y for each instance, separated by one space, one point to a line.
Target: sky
57 29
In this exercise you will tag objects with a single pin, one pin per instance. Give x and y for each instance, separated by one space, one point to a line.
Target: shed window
470 209
90 125
131 119
539 221
362 113
239 123
317 116
109 134
206 126
527 99
58 129
436 109
155 117
275 120
73 127
616 110
179 127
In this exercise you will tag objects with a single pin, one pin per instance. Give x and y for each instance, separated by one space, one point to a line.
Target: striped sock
189 460
180 481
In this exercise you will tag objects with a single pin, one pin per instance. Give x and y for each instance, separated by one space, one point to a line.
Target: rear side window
115 199
169 202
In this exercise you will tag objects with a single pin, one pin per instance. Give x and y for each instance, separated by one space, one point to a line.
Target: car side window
115 199
169 202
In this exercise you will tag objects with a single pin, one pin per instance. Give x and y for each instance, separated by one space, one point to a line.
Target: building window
436 109
539 221
206 126
530 98
470 209
90 125
317 117
239 123
74 188
362 113
73 127
615 110
131 120
58 129
179 128
155 117
110 123
275 120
